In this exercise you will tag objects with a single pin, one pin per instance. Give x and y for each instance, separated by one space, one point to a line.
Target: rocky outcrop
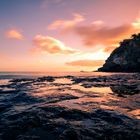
125 58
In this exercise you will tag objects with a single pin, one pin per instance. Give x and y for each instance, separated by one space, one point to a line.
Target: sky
63 35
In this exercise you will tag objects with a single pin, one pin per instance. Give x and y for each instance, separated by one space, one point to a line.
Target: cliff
125 58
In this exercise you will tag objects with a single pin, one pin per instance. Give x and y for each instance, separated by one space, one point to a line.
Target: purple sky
63 35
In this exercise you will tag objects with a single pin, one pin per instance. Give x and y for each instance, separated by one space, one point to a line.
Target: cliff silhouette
125 58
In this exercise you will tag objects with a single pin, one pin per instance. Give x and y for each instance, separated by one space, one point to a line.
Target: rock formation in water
125 58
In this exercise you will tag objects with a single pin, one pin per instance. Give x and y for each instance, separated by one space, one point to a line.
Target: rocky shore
71 108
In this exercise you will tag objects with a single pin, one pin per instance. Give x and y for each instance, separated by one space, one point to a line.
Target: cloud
50 45
14 34
103 35
66 24
99 33
95 54
86 63
97 23
136 24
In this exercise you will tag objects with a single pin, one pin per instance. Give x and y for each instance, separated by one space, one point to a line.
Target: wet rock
43 110
87 85
123 90
8 91
22 137
74 114
3 106
111 117
20 80
48 79
70 134
68 76
86 79
78 80
57 98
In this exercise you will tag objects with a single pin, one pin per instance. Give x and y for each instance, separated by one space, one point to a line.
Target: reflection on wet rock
71 108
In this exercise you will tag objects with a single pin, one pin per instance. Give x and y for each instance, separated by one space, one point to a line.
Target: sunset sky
63 35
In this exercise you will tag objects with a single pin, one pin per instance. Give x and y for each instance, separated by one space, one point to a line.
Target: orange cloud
98 33
86 63
49 45
136 24
103 35
66 24
14 34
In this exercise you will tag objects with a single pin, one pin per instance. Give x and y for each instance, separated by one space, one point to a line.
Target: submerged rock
46 78
125 58
122 90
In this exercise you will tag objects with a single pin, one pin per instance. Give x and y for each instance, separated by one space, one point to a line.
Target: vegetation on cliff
125 58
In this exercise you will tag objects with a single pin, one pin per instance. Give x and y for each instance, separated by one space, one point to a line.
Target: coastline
59 107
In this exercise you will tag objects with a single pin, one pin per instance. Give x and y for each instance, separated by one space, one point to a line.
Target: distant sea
11 75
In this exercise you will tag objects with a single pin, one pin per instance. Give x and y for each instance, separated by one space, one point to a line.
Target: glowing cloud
103 35
136 24
66 24
98 33
98 23
86 63
49 45
14 34
98 54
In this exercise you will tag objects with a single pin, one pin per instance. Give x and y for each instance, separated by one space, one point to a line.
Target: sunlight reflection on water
103 90
63 81
4 81
64 92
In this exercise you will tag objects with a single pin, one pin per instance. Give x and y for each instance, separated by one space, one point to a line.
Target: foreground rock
126 58
88 108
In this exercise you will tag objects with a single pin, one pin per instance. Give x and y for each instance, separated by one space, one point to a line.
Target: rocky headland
125 58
